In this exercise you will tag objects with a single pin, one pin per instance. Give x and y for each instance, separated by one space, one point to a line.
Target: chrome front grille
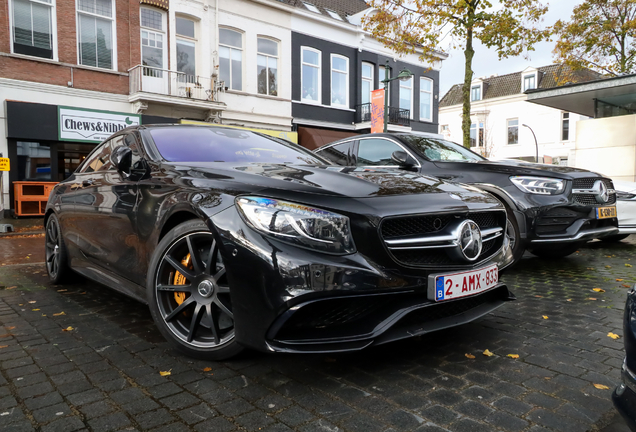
432 240
583 191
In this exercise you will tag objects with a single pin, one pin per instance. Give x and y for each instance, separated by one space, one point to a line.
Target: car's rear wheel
55 251
614 238
556 251
189 294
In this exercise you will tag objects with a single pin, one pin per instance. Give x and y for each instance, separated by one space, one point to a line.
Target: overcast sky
486 62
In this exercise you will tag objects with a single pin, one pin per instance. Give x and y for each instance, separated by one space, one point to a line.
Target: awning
312 138
582 98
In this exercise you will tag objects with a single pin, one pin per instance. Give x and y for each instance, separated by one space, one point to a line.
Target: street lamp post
404 75
536 158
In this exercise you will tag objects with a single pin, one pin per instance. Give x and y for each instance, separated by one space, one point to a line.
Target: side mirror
121 159
403 159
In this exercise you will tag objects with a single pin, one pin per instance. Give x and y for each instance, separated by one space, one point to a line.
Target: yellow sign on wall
289 136
4 164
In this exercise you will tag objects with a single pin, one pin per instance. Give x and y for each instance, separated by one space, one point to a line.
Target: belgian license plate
606 212
456 285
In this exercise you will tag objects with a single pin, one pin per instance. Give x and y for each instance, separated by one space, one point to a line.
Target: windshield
216 144
439 150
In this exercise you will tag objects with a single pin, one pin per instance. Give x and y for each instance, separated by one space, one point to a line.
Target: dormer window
311 7
529 82
475 93
333 14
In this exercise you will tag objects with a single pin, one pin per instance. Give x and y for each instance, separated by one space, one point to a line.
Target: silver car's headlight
298 224
625 196
539 185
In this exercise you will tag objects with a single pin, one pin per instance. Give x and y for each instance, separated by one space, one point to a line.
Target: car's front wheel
55 251
189 294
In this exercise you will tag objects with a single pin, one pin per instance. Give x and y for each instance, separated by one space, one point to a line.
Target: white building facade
504 124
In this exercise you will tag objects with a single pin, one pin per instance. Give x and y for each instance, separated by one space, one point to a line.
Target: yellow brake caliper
179 279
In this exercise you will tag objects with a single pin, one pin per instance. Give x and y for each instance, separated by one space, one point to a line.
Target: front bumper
583 235
624 397
291 299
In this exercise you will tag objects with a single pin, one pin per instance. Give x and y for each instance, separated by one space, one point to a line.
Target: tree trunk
469 53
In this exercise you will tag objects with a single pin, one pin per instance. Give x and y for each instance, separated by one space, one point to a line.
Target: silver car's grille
431 240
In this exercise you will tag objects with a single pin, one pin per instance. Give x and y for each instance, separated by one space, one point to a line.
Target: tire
514 237
556 251
189 302
55 251
614 238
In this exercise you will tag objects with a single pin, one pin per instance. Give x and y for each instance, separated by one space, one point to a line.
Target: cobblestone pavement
82 357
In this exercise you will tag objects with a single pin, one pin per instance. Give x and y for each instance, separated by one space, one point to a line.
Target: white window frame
113 24
333 14
268 56
430 95
508 126
472 88
318 100
370 79
478 126
563 120
163 31
187 39
311 7
523 81
53 6
242 50
346 73
412 81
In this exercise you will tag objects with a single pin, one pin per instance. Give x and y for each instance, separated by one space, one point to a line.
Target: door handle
87 183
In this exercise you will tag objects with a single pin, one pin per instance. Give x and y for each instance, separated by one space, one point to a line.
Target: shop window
33 27
96 19
34 161
267 66
231 58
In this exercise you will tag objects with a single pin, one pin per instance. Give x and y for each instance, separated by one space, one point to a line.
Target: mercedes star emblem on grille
601 192
469 241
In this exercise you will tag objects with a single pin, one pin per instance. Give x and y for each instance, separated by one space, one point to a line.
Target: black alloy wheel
189 293
513 235
55 251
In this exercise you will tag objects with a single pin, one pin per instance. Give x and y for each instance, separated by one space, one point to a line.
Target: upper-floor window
475 93
96 33
426 99
367 82
477 135
267 66
513 131
529 82
311 7
33 27
339 81
186 47
310 74
231 58
153 38
565 126
333 14
406 95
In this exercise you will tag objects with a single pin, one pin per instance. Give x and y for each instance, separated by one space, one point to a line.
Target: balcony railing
170 83
397 116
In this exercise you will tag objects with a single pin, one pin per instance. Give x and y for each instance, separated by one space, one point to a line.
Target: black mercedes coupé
236 239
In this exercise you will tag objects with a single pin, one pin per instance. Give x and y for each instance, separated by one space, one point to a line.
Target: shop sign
92 126
377 111
4 164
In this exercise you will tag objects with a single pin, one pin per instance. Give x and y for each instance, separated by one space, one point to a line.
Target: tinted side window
376 152
339 154
98 160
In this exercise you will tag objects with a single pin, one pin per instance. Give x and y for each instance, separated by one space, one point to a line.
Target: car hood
517 167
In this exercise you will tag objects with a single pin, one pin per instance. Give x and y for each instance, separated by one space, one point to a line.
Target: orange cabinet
31 197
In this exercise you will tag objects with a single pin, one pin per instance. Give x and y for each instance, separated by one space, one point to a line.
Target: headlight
539 185
625 196
299 224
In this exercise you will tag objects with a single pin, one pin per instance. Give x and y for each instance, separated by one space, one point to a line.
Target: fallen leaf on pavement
627 285
539 296
35 310
601 387
613 335
3 346
69 328
619 280
10 328
58 314
514 356
32 301
627 265
590 298
598 289
545 317
470 356
11 287
61 290
165 373
207 369
487 353
569 300
590 268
